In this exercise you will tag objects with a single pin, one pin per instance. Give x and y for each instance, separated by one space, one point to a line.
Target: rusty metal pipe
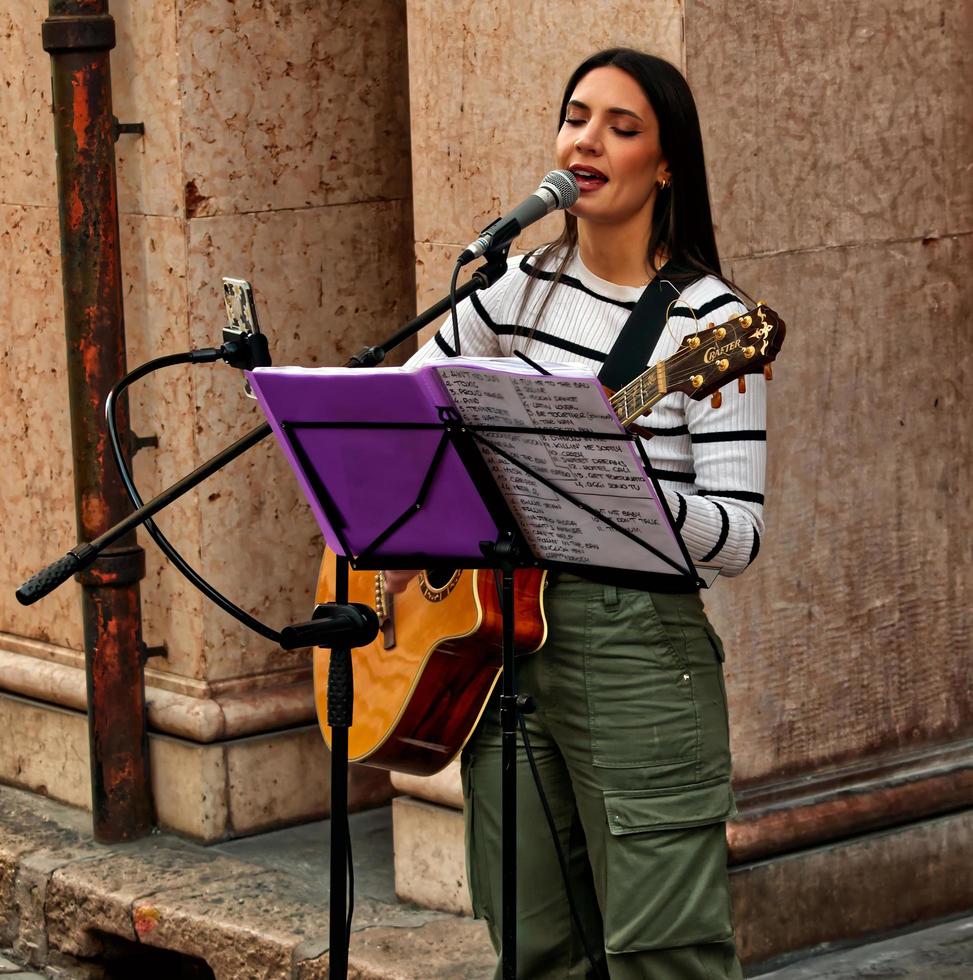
78 35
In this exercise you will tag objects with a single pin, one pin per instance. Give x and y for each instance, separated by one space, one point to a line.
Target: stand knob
526 704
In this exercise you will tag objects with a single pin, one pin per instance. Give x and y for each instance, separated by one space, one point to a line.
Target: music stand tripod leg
504 553
508 792
340 702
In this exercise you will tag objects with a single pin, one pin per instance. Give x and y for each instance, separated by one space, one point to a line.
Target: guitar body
423 683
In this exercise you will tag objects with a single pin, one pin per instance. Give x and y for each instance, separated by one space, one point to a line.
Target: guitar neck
705 361
638 396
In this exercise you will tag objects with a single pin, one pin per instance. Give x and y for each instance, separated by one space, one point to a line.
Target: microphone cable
452 308
205 355
598 966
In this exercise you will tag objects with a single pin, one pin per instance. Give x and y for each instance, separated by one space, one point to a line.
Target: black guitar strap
633 347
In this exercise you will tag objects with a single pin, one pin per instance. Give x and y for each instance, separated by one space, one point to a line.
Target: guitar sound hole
439 578
435 586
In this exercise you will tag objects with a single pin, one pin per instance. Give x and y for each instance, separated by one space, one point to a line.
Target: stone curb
64 896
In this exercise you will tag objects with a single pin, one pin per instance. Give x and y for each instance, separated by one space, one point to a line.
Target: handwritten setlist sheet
605 475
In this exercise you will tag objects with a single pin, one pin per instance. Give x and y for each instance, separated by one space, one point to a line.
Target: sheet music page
606 475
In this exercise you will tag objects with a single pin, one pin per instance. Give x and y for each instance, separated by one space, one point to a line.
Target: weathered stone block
290 106
827 130
206 791
430 863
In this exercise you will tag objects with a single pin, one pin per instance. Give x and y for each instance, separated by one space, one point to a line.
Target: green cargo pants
630 736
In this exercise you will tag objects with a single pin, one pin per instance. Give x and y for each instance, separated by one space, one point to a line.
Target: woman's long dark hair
682 225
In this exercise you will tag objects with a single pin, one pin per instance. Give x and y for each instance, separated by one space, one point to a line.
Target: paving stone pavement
939 952
9 970
258 907
241 910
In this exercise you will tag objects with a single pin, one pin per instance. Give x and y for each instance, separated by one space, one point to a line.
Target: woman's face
610 141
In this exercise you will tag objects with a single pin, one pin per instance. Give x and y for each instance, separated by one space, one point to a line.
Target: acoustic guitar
423 683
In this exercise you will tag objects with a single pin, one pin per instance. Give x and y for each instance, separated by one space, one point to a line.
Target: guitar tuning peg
768 372
717 399
742 385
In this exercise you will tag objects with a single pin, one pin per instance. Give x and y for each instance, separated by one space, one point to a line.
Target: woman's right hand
397 579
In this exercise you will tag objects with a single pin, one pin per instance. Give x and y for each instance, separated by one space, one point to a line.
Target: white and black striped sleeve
723 520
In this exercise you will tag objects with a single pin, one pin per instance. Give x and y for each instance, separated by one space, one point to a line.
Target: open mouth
588 178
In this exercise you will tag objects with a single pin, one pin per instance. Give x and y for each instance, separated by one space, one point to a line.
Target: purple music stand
397 479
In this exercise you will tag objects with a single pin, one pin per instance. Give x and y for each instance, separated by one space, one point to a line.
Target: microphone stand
82 555
337 625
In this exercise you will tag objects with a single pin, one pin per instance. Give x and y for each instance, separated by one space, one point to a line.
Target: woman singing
630 733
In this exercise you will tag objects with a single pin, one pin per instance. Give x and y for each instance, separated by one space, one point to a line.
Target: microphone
558 190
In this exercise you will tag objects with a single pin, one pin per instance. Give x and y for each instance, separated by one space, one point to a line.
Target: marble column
276 149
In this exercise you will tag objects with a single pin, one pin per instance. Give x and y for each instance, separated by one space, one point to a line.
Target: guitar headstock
711 358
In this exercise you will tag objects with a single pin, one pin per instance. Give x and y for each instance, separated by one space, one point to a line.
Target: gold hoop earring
665 184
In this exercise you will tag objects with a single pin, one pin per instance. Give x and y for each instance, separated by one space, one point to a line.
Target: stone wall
839 152
279 146
839 148
276 149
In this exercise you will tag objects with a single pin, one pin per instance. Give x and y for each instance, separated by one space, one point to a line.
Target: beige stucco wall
839 150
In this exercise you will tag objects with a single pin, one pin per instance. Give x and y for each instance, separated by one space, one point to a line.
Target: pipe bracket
115 566
137 443
90 32
162 650
120 128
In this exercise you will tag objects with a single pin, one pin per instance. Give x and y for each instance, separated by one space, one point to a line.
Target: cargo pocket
667 882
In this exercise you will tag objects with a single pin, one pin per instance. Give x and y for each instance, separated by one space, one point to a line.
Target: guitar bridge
388 624
385 610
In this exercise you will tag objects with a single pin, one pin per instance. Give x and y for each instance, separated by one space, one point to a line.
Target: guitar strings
669 329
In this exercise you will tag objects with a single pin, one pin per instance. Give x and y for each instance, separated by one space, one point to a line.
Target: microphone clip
484 242
333 625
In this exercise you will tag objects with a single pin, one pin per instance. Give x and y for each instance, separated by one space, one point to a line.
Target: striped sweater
710 462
